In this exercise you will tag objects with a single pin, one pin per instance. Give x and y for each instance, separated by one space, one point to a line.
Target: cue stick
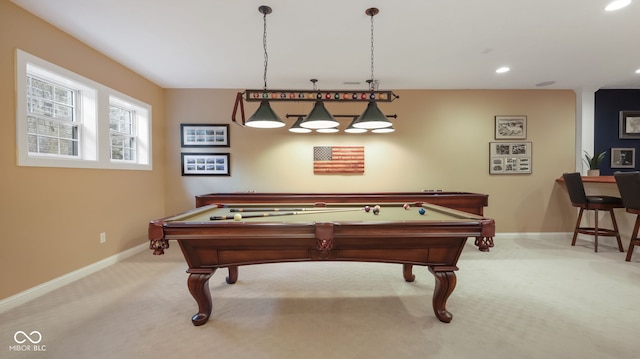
276 214
315 209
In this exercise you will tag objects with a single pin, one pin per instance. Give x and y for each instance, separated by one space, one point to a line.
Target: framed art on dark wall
205 164
623 158
629 124
509 158
204 135
510 127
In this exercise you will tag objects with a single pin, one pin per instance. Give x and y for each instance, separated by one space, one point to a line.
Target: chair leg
575 230
634 239
595 248
615 228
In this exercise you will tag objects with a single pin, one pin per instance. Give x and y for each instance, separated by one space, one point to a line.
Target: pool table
211 238
462 201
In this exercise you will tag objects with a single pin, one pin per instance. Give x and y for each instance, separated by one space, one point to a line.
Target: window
51 118
129 131
122 122
66 120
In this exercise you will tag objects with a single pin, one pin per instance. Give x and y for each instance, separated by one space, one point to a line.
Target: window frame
93 101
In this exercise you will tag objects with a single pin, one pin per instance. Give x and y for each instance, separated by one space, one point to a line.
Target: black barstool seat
595 203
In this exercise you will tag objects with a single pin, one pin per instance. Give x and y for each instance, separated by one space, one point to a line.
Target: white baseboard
44 288
563 235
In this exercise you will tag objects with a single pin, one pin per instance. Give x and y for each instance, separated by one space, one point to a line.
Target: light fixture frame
288 95
255 95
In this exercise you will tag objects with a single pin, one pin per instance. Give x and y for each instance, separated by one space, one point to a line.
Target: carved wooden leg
484 243
233 275
199 287
445 284
407 272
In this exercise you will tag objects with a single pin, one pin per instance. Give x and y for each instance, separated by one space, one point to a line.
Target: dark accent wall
608 104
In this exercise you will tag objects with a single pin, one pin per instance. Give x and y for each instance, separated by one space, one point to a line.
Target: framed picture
629 124
623 158
205 164
509 158
199 135
511 127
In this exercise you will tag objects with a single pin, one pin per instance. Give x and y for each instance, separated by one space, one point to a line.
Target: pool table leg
199 287
445 284
484 243
233 275
407 272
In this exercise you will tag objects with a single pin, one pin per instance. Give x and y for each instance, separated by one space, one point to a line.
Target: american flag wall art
338 159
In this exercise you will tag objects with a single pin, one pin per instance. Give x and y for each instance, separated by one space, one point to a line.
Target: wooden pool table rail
462 201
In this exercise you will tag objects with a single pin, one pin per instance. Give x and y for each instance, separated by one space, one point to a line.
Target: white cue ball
237 216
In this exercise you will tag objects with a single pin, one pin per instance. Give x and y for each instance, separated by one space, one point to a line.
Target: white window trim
143 130
95 149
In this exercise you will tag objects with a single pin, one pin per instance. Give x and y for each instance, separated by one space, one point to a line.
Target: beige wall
441 142
51 217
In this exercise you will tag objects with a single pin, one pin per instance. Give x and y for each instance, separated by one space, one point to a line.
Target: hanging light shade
383 130
372 118
327 130
351 129
264 117
319 117
296 126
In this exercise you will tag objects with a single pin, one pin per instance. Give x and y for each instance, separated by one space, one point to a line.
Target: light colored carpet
527 298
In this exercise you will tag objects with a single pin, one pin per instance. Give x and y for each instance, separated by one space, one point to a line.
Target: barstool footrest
600 231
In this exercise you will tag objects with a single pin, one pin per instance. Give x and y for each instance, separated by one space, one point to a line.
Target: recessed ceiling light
617 5
502 70
638 71
545 83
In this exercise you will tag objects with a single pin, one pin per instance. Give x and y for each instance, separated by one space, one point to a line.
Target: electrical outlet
103 237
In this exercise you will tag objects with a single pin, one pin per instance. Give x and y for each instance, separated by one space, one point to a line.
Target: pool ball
406 206
421 211
237 216
367 209
376 210
376 207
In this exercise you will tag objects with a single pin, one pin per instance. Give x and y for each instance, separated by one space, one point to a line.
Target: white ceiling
419 44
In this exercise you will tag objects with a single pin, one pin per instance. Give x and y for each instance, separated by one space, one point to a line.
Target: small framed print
623 158
629 124
205 164
509 158
200 135
511 127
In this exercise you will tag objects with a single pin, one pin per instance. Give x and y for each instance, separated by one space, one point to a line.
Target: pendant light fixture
265 117
351 129
319 117
296 126
383 130
372 117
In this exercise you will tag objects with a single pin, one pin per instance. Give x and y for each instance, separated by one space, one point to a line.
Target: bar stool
629 187
579 199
